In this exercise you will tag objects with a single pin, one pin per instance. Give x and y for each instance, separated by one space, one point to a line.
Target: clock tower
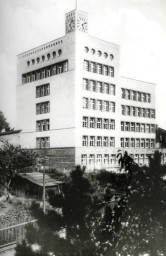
76 21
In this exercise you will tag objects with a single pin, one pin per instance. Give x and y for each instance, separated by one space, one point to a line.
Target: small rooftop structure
37 178
30 185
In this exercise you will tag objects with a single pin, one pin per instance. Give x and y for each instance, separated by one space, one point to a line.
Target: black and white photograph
82 128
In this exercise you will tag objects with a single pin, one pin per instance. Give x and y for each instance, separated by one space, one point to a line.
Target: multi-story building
73 105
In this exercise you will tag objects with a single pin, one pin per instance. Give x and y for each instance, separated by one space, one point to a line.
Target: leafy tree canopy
3 123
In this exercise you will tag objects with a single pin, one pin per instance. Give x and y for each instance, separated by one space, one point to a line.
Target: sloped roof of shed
37 178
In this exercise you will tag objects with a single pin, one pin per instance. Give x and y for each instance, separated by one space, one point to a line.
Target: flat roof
37 178
10 132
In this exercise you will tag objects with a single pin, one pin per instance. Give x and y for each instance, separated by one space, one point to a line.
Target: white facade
87 108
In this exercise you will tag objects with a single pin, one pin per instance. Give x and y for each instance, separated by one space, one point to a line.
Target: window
99 53
105 142
137 143
85 141
143 112
99 69
142 143
112 124
106 124
99 123
106 106
126 142
112 159
92 104
122 126
147 143
45 72
112 142
153 128
54 54
152 143
142 127
83 160
106 159
93 51
148 97
99 105
91 159
42 108
127 94
92 141
128 110
147 128
141 159
105 70
122 142
127 126
133 95
152 113
42 125
86 65
132 127
112 89
42 90
112 107
85 121
92 122
111 71
92 85
136 158
132 143
85 84
85 103
99 159
93 67
99 86
86 49
105 55
123 110
99 141
138 111
138 96
106 88
123 93
137 128
59 52
43 142
133 112
143 97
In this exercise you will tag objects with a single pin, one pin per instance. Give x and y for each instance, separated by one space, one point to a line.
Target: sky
138 26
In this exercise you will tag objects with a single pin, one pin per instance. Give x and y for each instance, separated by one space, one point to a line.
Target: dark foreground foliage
104 214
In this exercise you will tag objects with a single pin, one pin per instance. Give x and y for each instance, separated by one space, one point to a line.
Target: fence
14 233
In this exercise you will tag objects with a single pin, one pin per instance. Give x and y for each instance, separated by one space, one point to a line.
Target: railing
14 233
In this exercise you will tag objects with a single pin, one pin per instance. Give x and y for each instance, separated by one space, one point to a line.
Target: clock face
82 24
70 25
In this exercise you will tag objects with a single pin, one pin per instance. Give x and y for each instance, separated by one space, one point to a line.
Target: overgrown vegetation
104 214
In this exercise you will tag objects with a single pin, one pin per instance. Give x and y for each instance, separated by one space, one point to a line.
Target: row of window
43 142
43 125
99 53
42 90
42 108
48 71
96 104
43 58
107 159
98 141
137 111
135 95
137 143
137 127
99 123
97 86
98 68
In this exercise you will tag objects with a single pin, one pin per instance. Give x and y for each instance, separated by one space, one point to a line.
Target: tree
14 159
3 123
